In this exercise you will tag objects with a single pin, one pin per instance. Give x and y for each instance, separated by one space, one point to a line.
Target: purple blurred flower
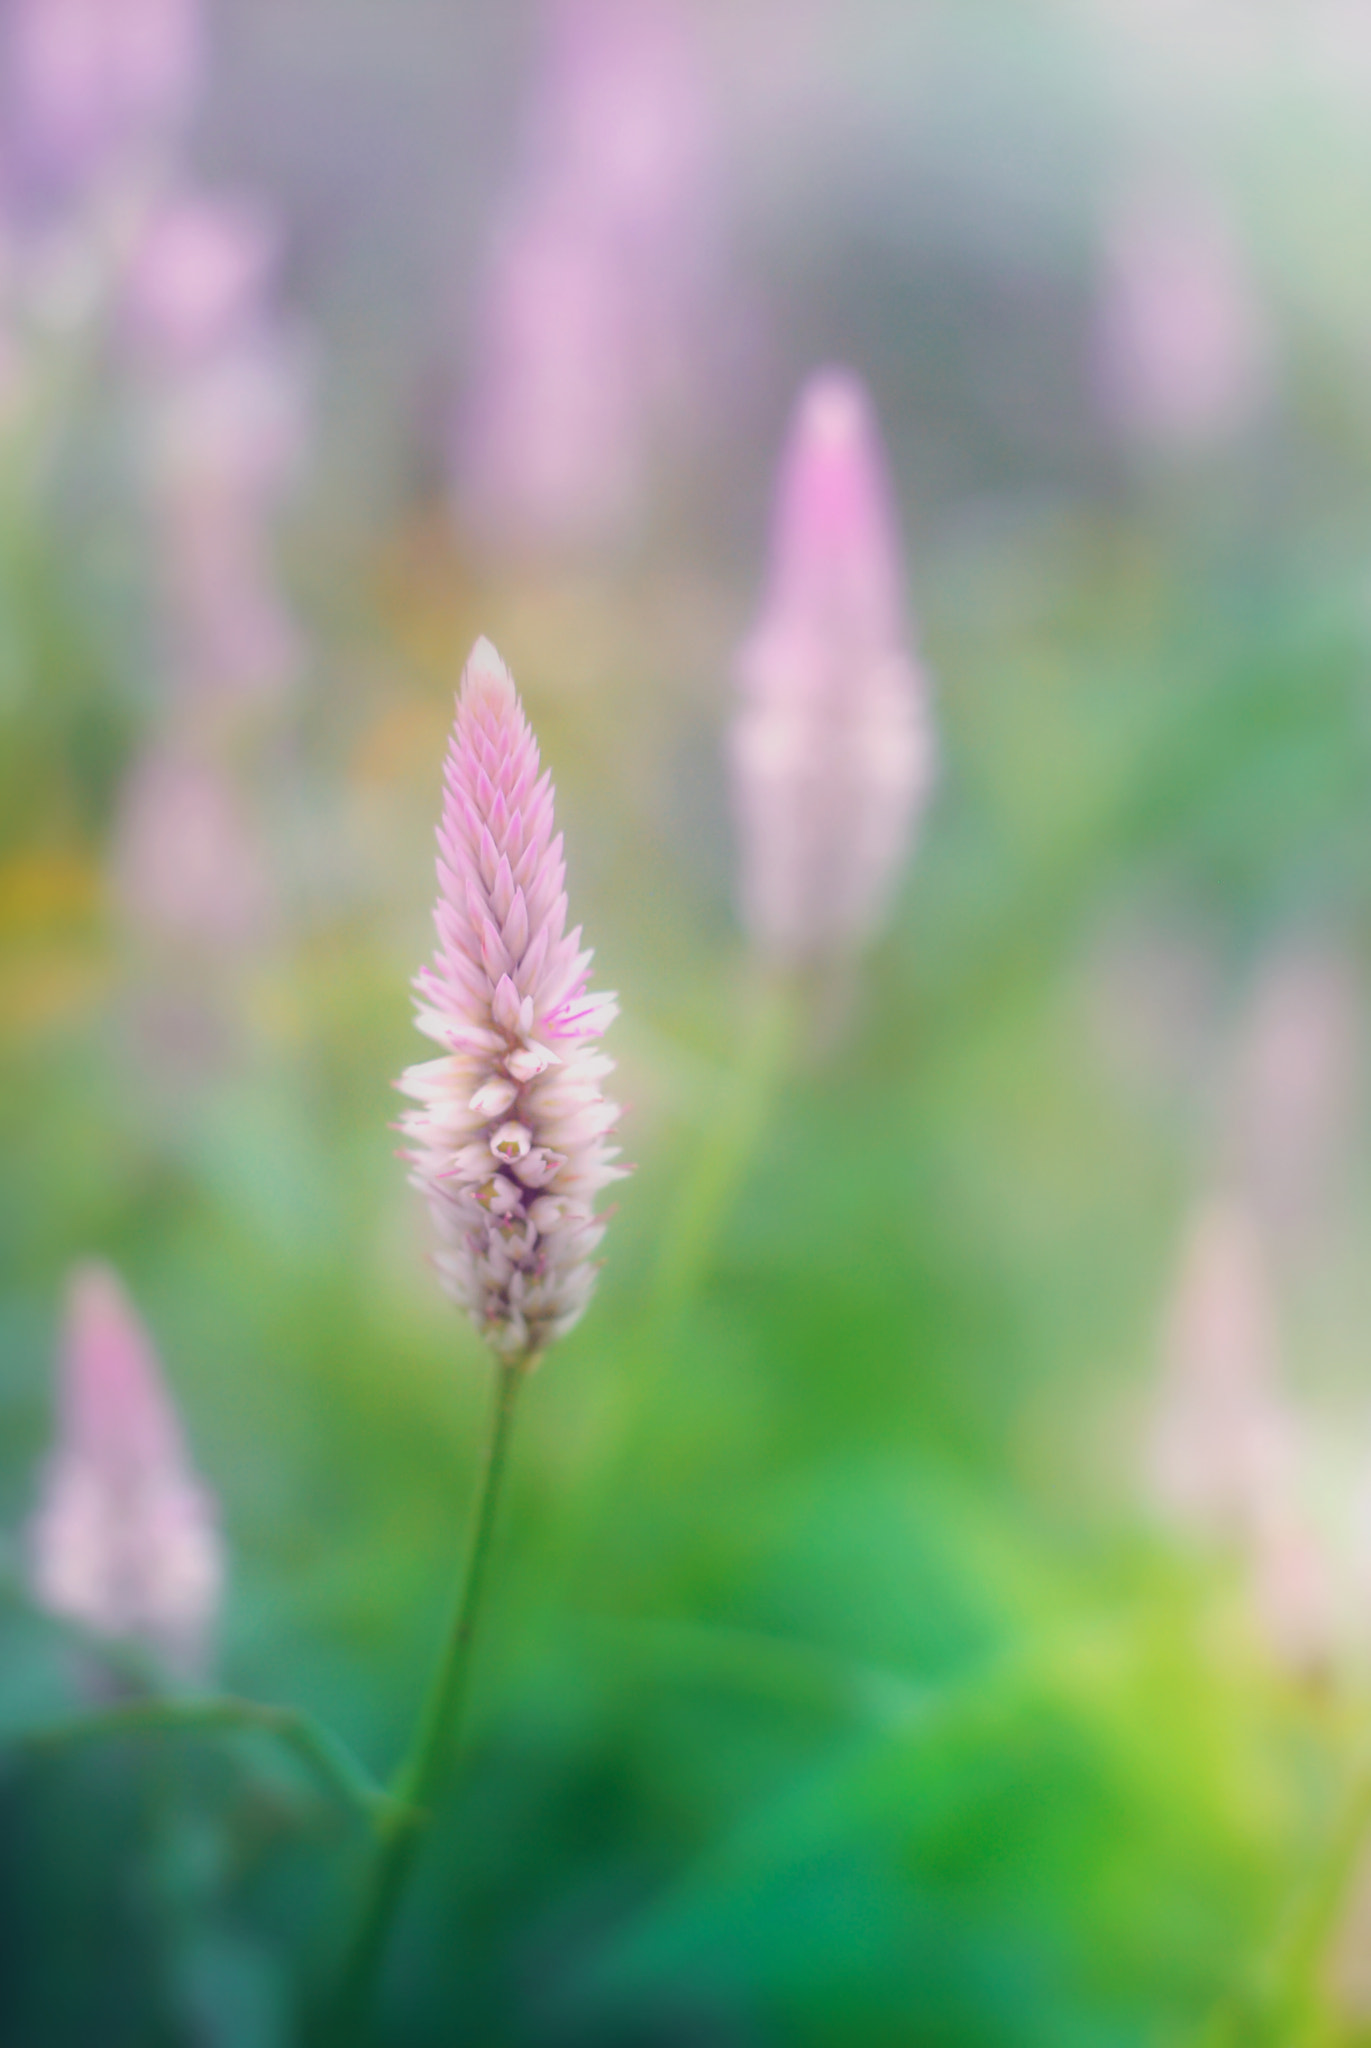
11 353
549 447
619 123
832 749
1183 344
223 448
510 1139
91 83
125 1539
593 308
197 278
223 414
186 863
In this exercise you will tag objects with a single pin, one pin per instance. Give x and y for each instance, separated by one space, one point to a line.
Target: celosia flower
199 275
1294 1591
125 1538
224 400
1183 343
1295 1096
90 81
548 443
509 1141
186 864
832 749
1229 1456
594 312
1224 1450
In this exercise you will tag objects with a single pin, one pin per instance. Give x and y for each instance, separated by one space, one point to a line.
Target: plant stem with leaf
421 1777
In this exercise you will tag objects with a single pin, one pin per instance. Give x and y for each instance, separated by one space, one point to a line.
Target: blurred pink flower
186 864
197 278
1296 1087
1224 1450
125 1538
223 416
832 748
1229 1459
619 123
1183 343
88 82
510 1139
549 446
1293 1588
594 306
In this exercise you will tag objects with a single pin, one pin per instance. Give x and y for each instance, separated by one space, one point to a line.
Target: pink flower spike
1224 1448
591 321
199 275
507 1128
832 749
1184 347
125 1538
186 862
835 558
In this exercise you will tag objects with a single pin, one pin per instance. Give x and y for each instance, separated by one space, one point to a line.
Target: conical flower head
509 1142
125 1538
832 749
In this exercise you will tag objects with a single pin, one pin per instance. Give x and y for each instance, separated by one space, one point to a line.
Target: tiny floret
509 1142
125 1539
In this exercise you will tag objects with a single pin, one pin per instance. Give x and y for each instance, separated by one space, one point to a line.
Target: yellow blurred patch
38 889
406 740
54 964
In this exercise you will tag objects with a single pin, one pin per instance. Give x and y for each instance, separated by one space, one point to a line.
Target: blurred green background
838 1686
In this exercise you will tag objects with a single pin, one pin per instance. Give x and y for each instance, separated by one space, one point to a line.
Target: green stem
326 1756
419 1781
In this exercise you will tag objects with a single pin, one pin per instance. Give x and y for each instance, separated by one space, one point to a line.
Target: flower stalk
419 1782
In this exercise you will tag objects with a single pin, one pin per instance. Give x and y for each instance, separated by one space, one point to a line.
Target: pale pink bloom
197 278
223 440
594 309
509 1143
548 446
1296 1086
89 81
221 413
1228 1458
125 1539
1224 1454
186 861
832 748
619 123
1293 1587
1183 343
